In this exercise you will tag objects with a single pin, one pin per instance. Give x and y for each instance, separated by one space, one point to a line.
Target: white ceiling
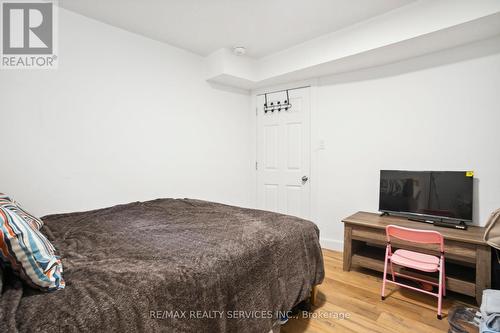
204 26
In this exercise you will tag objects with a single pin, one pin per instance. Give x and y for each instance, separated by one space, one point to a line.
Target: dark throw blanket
170 266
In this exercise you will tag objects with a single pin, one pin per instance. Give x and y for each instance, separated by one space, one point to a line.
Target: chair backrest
415 235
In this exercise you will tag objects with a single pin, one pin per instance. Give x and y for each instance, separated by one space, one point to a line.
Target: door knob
305 179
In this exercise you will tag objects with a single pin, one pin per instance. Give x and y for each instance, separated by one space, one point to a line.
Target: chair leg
392 272
444 277
385 272
440 292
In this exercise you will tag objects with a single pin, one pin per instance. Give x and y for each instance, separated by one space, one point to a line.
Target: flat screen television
440 196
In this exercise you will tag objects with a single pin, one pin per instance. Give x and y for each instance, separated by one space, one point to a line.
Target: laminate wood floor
350 302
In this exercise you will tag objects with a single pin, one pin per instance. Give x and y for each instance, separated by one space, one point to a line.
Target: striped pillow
24 248
14 206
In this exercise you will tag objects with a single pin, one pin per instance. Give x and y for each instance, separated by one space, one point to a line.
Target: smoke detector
239 50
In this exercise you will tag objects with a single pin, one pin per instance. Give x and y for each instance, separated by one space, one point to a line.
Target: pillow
27 251
14 206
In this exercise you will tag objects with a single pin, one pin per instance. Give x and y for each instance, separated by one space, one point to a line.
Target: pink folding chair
415 260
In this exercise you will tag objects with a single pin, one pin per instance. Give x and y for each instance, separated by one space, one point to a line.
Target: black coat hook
277 105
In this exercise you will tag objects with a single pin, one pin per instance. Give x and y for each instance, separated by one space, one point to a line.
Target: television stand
468 257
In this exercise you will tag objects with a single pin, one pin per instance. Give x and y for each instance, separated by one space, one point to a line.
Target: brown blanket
170 266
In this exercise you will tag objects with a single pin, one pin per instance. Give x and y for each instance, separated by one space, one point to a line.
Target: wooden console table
468 257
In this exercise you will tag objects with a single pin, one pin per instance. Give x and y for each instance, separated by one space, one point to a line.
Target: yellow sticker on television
469 174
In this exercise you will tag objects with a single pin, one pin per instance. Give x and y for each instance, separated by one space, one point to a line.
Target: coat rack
278 106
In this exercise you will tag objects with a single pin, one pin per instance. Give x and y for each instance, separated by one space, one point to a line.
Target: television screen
431 194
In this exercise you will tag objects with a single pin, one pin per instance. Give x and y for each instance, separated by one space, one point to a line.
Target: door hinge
256 111
256 165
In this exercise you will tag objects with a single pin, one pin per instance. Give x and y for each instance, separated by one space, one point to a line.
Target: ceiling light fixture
239 50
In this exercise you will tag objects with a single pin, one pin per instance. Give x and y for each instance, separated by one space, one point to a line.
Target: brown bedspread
131 268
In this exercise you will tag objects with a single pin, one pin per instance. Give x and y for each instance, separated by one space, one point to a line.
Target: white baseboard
332 244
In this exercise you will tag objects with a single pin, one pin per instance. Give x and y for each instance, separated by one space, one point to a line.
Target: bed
170 265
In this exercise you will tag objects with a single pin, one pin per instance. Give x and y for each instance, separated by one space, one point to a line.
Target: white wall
123 118
439 112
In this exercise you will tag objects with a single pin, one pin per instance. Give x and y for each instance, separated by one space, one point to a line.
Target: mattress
170 265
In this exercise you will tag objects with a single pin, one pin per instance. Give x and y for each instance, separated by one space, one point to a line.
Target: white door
283 154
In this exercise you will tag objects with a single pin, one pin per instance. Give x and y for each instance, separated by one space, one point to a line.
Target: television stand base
450 224
421 220
384 214
460 225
